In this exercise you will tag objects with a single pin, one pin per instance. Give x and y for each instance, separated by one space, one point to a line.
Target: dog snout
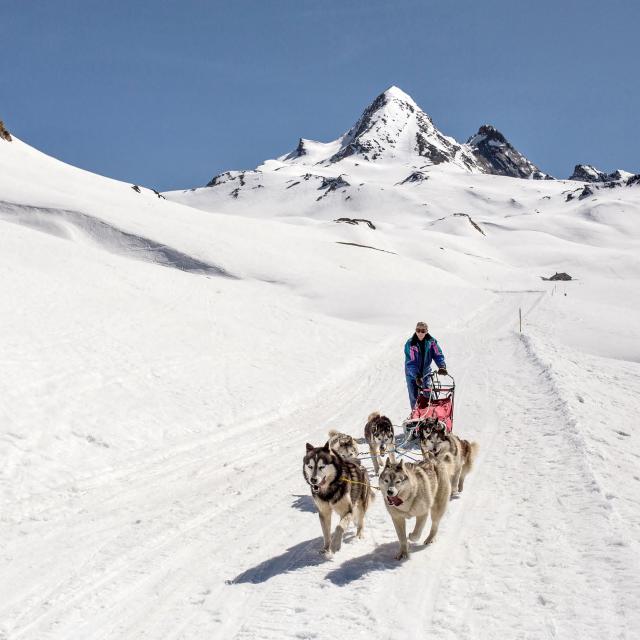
314 480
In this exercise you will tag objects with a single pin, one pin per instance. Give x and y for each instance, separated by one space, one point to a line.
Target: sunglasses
421 331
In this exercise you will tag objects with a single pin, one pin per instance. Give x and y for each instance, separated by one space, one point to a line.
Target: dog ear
401 466
326 446
388 462
310 447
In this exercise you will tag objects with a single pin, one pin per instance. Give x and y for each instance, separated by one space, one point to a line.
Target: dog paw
336 543
454 496
402 555
429 540
327 553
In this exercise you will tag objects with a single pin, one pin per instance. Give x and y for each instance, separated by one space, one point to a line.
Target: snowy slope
165 361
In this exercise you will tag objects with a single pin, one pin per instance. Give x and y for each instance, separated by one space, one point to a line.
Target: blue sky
169 93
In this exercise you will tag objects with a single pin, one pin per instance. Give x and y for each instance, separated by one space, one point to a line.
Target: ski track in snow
221 539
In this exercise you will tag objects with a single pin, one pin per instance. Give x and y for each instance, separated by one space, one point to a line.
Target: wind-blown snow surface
165 363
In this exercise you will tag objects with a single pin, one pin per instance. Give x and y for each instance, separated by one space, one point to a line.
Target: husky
424 433
435 441
378 432
343 444
336 485
416 490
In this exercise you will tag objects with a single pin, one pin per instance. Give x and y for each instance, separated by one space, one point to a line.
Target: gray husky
336 485
435 441
378 432
416 491
343 444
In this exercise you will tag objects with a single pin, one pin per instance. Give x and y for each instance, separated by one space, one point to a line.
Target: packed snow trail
221 539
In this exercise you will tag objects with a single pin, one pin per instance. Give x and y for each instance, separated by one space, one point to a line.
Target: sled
435 402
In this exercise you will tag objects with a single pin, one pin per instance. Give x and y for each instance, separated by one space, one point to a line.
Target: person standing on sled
419 351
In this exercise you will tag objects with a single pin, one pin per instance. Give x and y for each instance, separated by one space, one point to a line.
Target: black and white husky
378 432
338 485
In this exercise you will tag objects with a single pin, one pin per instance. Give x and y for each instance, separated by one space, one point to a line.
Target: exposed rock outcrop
357 221
558 276
589 173
4 133
496 155
415 177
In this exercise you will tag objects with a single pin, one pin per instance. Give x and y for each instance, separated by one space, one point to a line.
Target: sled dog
427 427
378 432
336 485
434 440
416 491
343 444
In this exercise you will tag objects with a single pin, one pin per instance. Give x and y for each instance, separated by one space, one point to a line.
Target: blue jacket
432 352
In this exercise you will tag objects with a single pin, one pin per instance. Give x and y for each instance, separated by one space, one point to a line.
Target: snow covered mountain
165 360
392 145
394 128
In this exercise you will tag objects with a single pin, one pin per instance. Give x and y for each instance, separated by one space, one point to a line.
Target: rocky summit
495 154
589 173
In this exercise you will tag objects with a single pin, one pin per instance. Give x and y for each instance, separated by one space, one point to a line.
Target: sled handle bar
434 376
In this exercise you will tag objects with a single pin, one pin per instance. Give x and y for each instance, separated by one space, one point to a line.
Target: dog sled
436 401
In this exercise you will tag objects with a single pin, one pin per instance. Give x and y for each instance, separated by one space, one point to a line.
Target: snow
166 360
396 93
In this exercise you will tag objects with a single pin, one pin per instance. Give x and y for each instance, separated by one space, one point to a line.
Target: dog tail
473 453
368 496
371 495
375 414
333 432
444 468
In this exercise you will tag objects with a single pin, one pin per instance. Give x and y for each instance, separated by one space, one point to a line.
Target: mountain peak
395 93
393 127
496 155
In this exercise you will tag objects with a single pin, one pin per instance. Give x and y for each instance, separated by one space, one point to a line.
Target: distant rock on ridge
589 173
4 133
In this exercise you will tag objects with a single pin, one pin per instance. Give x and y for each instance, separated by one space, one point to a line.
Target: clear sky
168 93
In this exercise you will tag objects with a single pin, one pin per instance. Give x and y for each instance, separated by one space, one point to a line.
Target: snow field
154 418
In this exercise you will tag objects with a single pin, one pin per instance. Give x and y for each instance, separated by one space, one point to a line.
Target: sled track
188 548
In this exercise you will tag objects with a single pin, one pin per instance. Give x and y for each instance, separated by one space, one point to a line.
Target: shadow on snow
304 503
380 559
304 554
